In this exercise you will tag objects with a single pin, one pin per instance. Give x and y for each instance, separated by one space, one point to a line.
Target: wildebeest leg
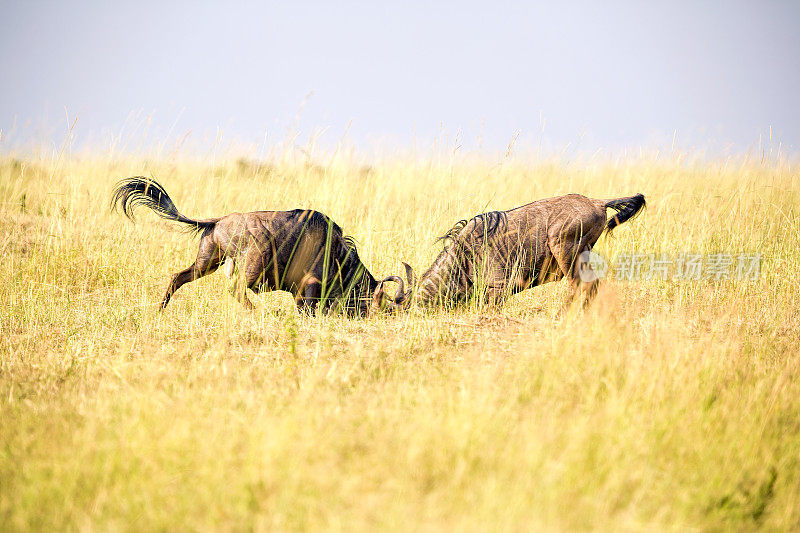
567 255
492 280
563 254
252 275
239 291
309 295
208 259
495 296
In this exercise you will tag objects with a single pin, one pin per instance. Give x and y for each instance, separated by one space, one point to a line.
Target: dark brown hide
301 251
496 254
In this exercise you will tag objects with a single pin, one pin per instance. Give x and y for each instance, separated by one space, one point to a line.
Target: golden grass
667 405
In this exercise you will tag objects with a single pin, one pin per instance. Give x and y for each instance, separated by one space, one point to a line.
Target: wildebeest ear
412 279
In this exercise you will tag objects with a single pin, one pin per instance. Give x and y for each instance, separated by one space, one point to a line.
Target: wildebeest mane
485 225
350 242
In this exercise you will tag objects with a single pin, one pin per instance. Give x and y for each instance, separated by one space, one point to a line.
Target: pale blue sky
602 75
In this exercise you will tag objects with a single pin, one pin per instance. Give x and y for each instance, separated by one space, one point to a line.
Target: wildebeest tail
626 209
138 190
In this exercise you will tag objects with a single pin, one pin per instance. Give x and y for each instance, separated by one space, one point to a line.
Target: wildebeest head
401 298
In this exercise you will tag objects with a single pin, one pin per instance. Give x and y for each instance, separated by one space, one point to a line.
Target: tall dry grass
667 405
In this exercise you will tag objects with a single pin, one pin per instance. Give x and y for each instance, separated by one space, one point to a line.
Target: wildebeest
300 251
499 253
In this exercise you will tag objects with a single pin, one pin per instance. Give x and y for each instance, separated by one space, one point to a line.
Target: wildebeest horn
377 296
412 279
398 295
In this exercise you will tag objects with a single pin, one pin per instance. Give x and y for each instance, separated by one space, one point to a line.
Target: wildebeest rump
300 251
499 253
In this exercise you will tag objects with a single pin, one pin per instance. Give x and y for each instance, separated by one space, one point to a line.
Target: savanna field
668 404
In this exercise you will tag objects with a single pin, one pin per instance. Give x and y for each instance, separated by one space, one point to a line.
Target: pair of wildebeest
489 256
